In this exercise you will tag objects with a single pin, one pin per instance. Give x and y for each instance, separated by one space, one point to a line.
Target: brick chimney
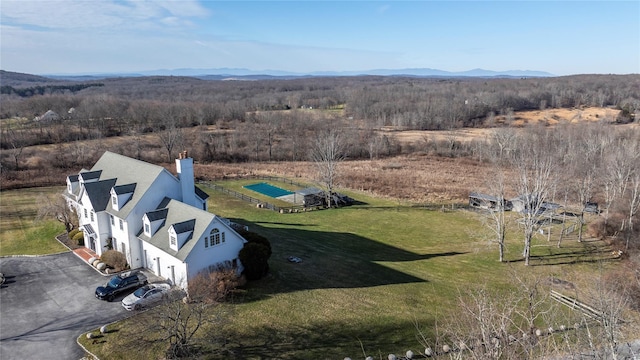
184 168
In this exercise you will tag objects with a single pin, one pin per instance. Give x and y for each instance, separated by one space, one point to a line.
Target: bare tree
495 219
327 154
584 165
180 321
17 142
171 138
56 207
535 166
633 203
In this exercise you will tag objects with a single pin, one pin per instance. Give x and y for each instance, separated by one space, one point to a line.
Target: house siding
154 186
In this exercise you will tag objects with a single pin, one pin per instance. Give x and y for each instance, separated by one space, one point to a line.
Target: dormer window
153 220
180 233
120 195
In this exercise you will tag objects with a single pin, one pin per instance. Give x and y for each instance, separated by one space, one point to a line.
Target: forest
275 120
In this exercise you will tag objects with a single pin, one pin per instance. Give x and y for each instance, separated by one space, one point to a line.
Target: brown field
548 117
419 177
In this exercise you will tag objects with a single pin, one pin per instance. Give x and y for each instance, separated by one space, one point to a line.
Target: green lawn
20 233
369 273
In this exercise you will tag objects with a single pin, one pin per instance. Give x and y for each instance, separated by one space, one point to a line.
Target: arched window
215 238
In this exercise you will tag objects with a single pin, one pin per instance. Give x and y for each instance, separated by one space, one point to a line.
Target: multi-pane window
121 225
173 240
215 238
85 214
146 229
113 221
91 215
114 200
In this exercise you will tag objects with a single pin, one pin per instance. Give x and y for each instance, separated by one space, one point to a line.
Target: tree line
249 126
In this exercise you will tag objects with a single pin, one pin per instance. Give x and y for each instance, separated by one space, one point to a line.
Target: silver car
145 296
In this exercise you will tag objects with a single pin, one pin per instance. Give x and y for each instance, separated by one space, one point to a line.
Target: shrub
73 233
114 259
598 229
213 286
78 238
255 258
252 237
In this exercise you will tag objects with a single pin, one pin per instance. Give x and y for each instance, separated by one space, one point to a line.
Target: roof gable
99 193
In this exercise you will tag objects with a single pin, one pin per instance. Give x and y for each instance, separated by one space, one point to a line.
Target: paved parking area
46 303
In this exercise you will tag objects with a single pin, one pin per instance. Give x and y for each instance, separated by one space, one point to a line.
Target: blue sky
99 36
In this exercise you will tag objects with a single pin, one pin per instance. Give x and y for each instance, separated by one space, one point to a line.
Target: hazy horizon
128 36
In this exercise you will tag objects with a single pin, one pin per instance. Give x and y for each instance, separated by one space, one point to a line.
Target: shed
489 202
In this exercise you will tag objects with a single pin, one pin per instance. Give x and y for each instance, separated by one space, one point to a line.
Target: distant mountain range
246 74
226 73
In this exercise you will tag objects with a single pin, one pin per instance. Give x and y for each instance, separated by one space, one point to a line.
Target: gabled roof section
129 171
201 194
124 189
99 193
181 216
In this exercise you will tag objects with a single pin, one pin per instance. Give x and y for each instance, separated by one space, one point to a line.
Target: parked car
120 283
145 296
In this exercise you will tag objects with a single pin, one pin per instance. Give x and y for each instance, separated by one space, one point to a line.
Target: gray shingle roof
179 213
128 171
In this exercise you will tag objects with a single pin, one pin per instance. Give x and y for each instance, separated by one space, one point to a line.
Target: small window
206 241
121 225
146 229
114 200
113 221
92 215
173 240
85 214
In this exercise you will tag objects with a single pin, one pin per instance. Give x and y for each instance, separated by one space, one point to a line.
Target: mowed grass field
20 233
370 275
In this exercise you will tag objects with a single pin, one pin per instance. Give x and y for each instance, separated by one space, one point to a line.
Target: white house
158 220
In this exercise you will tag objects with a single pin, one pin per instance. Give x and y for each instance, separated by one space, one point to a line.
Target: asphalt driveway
46 303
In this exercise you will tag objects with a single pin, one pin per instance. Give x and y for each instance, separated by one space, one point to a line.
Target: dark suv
120 283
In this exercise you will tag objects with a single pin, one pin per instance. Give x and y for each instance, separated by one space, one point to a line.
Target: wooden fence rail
260 203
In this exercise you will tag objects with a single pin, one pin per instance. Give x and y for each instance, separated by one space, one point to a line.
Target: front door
92 243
